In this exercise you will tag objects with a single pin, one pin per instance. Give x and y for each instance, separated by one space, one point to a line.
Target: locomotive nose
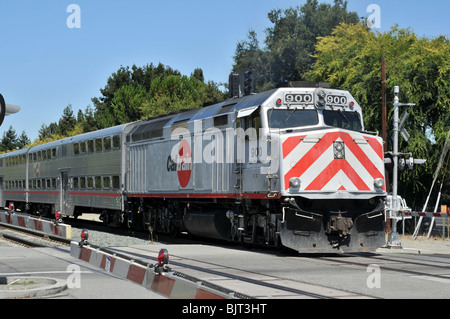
333 162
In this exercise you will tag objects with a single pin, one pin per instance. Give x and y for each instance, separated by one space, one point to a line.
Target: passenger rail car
290 166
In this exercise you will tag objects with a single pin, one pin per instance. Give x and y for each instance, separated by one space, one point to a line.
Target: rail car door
65 204
248 153
1 190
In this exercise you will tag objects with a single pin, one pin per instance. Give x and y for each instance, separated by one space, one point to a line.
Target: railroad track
30 238
270 274
251 283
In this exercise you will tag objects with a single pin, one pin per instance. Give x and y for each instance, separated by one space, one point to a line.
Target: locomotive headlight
339 150
294 182
378 182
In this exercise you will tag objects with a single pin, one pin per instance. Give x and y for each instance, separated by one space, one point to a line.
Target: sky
47 61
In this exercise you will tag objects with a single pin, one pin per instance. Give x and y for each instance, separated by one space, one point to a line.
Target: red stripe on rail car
94 194
207 195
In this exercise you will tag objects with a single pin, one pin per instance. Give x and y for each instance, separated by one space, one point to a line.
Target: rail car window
343 119
286 118
97 182
98 145
53 152
90 146
116 141
76 148
83 147
76 183
107 143
90 182
116 182
82 183
106 182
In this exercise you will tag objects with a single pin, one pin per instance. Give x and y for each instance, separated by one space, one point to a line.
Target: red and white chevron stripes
312 159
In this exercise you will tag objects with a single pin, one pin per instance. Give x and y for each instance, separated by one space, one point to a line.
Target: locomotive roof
73 139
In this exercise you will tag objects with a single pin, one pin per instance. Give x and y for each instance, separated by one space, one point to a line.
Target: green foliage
11 142
290 42
350 59
149 91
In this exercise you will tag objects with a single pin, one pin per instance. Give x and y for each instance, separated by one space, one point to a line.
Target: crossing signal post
400 162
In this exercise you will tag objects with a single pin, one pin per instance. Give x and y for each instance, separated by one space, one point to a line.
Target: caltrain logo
334 161
182 163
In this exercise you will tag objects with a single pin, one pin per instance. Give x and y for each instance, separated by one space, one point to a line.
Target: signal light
163 257
234 85
279 102
11 207
58 216
389 162
84 235
248 82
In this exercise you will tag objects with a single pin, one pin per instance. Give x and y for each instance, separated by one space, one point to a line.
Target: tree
67 122
46 132
198 74
127 102
290 42
23 140
9 140
124 81
350 59
142 92
88 123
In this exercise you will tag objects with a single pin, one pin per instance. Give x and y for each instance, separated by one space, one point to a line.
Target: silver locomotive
287 167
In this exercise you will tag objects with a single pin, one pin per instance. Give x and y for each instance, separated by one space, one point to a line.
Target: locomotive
290 167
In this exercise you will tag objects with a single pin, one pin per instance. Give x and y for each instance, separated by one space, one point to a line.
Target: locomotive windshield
286 118
343 119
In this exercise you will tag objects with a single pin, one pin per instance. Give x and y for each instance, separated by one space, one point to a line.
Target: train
289 167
